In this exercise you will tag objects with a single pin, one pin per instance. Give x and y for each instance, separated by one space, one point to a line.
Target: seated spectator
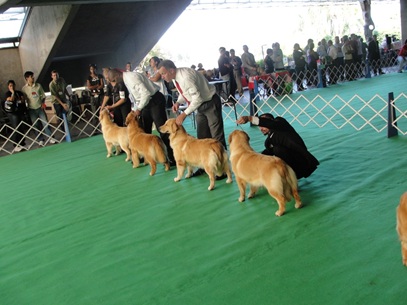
200 68
284 142
402 57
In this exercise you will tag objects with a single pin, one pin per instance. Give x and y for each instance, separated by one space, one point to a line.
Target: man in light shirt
201 97
35 96
150 105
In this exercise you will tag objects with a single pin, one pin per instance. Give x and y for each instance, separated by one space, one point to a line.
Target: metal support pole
391 117
66 126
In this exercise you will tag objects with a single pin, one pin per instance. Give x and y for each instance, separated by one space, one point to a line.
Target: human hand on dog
137 113
243 120
180 118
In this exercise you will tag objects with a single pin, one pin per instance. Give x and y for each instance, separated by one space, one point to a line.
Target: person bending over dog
201 97
284 142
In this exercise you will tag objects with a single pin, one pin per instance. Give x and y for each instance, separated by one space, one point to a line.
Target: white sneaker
41 143
52 141
17 149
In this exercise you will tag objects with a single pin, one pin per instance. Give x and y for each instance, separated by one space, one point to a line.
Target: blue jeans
36 114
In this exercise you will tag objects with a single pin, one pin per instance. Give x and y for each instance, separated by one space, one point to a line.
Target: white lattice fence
399 105
336 111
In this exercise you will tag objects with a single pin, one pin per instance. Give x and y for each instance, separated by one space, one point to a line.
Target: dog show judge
194 89
284 142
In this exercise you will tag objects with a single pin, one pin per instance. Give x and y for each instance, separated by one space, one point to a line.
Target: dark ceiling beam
6 4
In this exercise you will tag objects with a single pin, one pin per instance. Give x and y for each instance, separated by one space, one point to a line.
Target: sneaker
41 143
52 141
17 148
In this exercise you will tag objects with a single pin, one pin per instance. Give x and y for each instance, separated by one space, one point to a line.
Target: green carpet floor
78 228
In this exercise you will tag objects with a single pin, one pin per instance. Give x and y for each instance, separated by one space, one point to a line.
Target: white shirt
333 52
140 87
195 88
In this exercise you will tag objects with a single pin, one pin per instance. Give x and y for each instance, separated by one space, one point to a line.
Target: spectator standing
348 52
322 50
306 48
332 63
373 54
300 64
248 62
156 78
268 61
57 87
224 70
95 85
236 63
312 58
278 57
268 68
35 97
15 108
340 61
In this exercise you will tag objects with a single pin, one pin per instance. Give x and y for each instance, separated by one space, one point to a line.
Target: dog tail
292 182
159 150
221 158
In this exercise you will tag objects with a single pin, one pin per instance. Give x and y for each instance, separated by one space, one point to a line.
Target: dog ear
230 138
174 126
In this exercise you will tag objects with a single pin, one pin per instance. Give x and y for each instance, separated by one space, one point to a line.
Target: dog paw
176 179
210 188
127 160
279 213
241 199
250 196
298 205
229 180
108 156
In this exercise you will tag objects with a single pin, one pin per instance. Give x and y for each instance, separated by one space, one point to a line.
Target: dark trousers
300 75
15 119
155 113
120 113
209 120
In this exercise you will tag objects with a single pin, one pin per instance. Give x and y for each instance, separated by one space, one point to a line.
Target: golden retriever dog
402 226
114 135
142 144
259 170
190 152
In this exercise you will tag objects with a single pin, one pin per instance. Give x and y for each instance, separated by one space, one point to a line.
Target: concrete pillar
403 17
40 36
